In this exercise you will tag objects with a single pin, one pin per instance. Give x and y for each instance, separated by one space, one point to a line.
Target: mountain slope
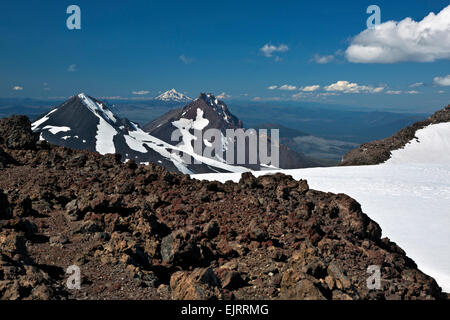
405 188
410 137
141 232
410 202
216 115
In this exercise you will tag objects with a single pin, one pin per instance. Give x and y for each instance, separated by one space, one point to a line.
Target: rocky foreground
141 232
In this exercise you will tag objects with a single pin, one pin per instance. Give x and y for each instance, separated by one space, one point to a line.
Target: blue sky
216 46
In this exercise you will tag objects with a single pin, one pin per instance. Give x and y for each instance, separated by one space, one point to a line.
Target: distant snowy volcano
173 96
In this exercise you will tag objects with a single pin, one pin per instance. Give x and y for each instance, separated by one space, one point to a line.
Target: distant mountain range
83 122
317 130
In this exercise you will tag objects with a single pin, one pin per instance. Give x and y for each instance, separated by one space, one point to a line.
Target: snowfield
409 196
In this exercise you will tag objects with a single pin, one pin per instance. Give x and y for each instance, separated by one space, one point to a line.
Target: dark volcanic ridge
142 232
379 151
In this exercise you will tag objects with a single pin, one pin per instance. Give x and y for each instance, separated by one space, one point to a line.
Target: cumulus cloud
322 59
348 87
287 87
269 49
17 88
407 40
310 88
224 95
272 87
72 68
415 85
298 96
412 92
140 92
442 81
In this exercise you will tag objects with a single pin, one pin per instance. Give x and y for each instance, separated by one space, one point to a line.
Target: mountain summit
173 96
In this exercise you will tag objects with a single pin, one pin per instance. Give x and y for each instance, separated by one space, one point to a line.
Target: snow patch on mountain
410 202
185 125
97 108
172 153
104 139
37 123
56 129
431 146
408 195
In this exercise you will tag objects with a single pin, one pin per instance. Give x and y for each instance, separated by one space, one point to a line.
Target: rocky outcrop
379 151
141 232
15 133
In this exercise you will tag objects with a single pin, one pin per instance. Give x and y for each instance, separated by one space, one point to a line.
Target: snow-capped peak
173 95
98 108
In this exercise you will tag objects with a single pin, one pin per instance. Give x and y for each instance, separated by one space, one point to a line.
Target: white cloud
224 95
72 68
376 90
348 87
442 81
17 88
326 94
272 87
140 92
185 60
266 99
393 92
298 95
424 41
269 49
412 92
441 91
310 88
415 85
322 59
287 87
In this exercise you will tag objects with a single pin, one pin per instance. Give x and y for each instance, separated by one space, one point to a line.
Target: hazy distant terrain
317 130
